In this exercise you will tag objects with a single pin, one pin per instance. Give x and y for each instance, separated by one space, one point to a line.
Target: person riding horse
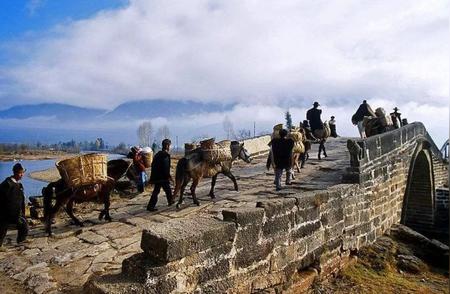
313 116
318 128
357 119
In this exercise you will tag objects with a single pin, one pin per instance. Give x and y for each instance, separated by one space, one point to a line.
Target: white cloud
244 51
267 56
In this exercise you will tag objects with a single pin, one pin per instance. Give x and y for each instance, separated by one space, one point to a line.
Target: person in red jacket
138 163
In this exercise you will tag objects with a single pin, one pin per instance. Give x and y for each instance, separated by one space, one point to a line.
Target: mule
323 135
194 167
67 196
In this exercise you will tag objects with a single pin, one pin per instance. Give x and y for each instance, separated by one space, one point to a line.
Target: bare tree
163 133
243 134
144 133
228 128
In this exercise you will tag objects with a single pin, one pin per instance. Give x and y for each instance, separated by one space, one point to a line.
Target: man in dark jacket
357 119
12 205
313 115
160 175
282 158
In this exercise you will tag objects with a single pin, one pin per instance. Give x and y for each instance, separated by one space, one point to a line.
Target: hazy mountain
162 108
60 111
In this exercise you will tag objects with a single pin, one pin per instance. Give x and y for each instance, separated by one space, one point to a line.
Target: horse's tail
180 174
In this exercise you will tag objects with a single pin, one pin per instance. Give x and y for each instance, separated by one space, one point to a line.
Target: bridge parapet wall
269 246
284 242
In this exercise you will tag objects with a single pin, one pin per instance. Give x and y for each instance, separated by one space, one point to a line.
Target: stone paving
65 261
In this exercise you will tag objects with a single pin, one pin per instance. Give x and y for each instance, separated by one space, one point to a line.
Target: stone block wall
257 146
271 245
263 247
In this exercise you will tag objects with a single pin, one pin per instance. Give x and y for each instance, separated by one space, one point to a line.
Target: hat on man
395 108
18 168
332 117
316 103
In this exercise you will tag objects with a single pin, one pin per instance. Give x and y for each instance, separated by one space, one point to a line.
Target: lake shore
35 155
46 175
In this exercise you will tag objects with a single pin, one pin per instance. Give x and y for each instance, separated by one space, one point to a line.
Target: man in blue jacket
282 157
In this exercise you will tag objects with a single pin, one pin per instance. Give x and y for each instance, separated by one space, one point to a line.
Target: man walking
138 163
282 158
12 205
160 176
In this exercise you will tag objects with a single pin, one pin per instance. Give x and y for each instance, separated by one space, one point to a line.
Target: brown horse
68 196
194 167
323 135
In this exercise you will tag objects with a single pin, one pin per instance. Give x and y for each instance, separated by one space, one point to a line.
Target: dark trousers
21 226
155 193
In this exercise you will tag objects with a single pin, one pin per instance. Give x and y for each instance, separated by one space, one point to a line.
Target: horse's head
238 151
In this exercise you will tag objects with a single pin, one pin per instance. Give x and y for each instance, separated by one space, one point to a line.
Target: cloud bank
273 52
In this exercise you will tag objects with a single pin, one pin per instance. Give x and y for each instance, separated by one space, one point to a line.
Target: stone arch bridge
253 240
395 177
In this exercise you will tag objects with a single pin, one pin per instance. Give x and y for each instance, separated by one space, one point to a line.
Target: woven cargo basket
189 147
147 158
217 154
83 170
207 144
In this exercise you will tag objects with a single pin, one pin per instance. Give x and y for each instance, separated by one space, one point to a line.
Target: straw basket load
276 131
297 137
216 153
83 170
385 119
147 156
207 144
189 147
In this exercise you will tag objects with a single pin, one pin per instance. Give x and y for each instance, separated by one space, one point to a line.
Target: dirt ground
380 270
11 286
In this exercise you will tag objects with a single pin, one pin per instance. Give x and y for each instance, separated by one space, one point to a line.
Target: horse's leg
303 159
213 184
69 210
323 148
297 165
105 211
183 187
193 187
232 177
51 214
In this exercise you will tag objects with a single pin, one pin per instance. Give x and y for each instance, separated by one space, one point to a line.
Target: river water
33 187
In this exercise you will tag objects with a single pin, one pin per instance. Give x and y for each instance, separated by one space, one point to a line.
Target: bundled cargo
296 136
217 152
207 144
276 131
147 156
189 147
384 118
299 147
83 170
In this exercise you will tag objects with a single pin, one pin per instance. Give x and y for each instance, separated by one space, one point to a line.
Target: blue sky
19 17
260 56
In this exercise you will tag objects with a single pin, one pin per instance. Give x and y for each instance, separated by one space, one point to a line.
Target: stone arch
418 204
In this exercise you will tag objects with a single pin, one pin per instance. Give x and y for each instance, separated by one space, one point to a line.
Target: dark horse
68 196
194 167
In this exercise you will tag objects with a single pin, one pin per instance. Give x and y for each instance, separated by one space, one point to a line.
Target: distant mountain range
141 109
35 130
60 111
